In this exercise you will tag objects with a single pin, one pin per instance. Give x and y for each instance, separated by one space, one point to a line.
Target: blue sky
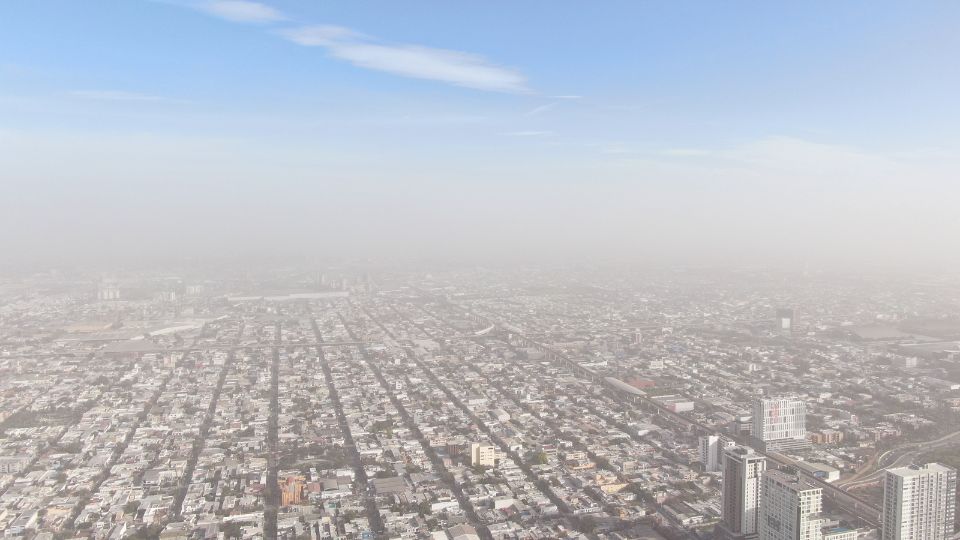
623 113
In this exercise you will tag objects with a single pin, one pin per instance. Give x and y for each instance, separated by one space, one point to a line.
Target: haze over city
424 270
815 133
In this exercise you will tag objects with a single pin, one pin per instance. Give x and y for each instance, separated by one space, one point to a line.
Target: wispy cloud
432 119
119 95
552 105
324 35
688 152
530 133
541 109
616 148
244 11
408 60
452 67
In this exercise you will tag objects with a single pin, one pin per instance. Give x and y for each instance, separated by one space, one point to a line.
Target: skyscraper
919 502
780 423
108 289
742 474
790 508
711 451
785 319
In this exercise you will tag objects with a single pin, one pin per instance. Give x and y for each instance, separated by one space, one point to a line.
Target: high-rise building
742 425
711 451
785 321
483 454
742 475
780 423
108 289
790 508
919 502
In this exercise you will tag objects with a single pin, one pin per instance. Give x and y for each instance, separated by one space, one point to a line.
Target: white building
790 508
782 421
711 451
785 320
742 475
483 454
13 464
108 290
919 502
675 403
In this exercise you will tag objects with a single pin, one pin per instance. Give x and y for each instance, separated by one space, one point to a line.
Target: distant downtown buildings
919 502
785 320
760 504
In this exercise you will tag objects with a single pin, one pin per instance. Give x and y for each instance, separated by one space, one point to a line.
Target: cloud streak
530 133
244 11
414 61
541 109
118 95
407 60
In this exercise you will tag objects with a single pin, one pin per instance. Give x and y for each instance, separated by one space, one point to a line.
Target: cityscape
498 270
478 404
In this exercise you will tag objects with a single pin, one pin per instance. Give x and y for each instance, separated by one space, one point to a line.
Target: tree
231 529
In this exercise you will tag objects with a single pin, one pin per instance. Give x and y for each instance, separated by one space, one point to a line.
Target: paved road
363 486
901 456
